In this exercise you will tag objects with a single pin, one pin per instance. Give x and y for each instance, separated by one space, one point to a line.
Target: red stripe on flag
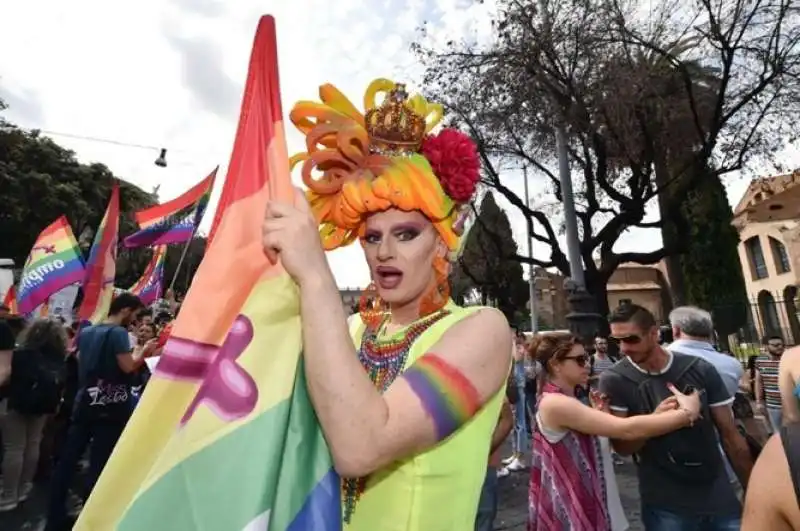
95 277
192 196
55 226
265 103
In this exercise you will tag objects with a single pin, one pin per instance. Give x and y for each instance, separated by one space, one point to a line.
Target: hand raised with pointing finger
690 403
291 233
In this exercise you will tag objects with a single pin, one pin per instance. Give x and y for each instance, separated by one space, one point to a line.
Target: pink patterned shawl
567 490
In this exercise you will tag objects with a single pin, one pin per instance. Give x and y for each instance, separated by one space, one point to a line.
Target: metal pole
570 218
583 318
531 273
180 262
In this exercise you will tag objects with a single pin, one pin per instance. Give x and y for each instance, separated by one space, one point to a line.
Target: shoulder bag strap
92 373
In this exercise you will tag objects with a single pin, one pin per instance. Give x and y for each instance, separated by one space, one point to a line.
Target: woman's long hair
546 347
44 335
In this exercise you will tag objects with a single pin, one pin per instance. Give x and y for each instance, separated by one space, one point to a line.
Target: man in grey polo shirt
693 330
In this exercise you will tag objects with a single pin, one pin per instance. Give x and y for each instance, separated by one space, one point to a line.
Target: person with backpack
682 478
107 364
33 392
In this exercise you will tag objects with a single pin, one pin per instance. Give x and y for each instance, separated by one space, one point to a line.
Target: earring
370 306
439 294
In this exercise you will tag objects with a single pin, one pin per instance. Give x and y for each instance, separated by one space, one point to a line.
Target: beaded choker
384 361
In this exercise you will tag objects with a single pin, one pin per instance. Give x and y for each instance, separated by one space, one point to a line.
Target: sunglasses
630 340
581 360
776 345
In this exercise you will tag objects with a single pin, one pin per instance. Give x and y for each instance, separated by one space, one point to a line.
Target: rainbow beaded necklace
383 359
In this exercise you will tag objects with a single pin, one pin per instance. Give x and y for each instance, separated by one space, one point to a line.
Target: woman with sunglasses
568 485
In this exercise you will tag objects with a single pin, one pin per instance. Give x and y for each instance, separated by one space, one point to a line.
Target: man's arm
503 427
129 359
445 388
612 386
720 402
759 391
770 496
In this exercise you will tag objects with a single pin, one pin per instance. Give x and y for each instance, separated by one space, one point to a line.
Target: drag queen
408 392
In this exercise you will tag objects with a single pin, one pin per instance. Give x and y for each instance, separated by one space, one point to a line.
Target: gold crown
395 128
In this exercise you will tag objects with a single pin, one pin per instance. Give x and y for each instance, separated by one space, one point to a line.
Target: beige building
551 299
645 285
768 220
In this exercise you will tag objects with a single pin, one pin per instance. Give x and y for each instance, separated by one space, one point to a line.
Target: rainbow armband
447 395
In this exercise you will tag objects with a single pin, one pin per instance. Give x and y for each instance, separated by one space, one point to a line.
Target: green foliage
487 265
40 180
711 269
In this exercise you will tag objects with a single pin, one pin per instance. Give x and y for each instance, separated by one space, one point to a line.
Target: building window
780 256
755 255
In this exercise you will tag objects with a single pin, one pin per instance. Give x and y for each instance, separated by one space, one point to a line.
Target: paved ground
512 513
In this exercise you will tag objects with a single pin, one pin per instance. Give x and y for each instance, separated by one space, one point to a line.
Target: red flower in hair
454 159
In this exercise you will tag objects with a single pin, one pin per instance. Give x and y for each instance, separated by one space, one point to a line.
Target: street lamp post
531 272
583 319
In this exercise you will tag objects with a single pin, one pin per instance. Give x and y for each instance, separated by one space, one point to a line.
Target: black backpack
37 382
690 455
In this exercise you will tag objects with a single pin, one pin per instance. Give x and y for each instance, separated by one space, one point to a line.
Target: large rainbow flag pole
225 437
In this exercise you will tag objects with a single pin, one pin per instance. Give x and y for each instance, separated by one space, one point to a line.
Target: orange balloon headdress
385 158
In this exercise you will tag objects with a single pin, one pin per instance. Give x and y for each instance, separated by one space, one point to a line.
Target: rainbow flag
174 221
10 300
98 285
225 437
149 286
54 262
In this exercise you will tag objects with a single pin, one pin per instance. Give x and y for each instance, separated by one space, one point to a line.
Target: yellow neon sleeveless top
439 489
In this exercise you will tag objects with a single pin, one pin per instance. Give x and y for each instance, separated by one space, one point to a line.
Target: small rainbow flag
98 285
225 437
174 221
149 286
54 262
10 300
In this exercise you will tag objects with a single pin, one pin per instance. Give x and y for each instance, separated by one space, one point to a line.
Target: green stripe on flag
270 463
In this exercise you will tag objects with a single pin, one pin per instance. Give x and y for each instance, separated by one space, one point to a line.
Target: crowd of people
49 380
570 410
414 394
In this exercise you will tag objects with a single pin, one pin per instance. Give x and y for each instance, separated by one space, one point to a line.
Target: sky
169 73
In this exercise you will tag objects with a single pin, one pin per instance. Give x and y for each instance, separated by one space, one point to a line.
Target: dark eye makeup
404 233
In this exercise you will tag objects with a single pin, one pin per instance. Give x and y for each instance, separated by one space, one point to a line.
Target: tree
40 180
485 265
635 129
710 268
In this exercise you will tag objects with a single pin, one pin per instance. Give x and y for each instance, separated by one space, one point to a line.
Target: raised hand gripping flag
149 286
101 268
54 262
225 437
174 221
